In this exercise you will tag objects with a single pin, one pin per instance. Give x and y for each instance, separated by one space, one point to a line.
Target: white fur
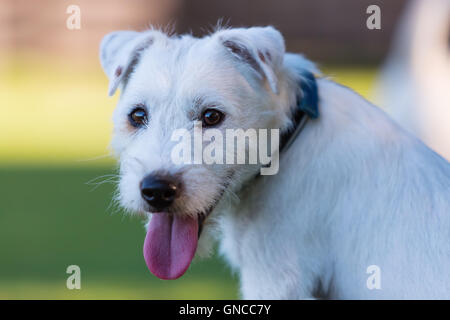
353 190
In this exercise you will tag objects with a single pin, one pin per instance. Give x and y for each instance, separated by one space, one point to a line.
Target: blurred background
56 180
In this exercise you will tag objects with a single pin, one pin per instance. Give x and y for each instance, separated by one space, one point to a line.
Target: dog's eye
138 117
212 117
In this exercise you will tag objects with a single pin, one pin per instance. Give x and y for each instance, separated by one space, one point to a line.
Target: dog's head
182 86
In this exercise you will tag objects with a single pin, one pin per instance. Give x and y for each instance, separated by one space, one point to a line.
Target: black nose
158 192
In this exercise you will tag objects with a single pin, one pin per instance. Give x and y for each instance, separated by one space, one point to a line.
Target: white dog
354 192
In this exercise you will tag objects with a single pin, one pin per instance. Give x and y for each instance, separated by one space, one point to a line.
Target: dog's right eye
138 117
212 117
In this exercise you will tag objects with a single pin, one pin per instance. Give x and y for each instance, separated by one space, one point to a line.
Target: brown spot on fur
128 128
261 56
118 71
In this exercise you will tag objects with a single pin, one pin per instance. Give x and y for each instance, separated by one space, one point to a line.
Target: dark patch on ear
242 53
261 56
309 101
135 59
118 71
264 56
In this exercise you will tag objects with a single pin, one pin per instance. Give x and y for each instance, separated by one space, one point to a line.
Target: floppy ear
261 48
119 53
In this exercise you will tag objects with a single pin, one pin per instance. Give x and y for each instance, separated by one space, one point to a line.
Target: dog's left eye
138 117
212 117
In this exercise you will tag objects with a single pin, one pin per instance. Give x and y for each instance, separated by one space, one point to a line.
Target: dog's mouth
171 242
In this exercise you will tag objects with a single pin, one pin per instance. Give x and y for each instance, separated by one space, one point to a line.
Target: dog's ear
261 48
119 53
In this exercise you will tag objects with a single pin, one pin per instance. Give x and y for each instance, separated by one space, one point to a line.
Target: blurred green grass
54 117
50 219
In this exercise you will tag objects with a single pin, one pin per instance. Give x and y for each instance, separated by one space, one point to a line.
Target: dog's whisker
98 181
95 180
100 157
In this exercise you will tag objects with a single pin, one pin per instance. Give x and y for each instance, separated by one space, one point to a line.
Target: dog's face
228 80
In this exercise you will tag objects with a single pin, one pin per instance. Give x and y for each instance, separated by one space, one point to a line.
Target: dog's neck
299 121
305 107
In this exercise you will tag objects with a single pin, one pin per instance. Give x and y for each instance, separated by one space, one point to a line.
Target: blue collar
307 107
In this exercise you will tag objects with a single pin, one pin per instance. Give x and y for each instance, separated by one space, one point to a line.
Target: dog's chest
245 229
234 243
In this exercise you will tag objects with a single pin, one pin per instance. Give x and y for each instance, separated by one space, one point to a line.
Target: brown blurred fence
330 30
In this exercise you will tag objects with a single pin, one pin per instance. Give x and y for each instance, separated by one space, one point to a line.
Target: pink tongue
170 245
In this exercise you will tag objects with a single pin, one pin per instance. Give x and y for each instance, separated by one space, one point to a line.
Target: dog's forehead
183 66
